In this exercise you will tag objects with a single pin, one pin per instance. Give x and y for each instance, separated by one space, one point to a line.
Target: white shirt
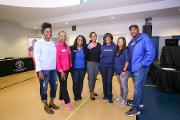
45 55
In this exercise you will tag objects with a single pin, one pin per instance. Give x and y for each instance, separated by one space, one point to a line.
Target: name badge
63 50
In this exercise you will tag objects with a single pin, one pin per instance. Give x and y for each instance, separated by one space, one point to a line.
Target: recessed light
35 27
112 17
66 23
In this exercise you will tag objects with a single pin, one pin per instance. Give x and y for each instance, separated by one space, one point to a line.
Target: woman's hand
123 74
41 75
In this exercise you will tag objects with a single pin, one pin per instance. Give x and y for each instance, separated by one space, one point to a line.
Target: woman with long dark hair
121 62
78 70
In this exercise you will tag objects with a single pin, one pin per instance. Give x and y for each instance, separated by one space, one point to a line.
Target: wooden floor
20 100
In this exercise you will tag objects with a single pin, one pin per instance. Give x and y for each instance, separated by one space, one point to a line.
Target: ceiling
88 13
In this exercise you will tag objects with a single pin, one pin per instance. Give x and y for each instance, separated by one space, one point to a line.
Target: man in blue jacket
142 53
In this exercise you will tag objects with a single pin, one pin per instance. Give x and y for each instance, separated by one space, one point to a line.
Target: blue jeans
107 75
78 75
50 76
139 78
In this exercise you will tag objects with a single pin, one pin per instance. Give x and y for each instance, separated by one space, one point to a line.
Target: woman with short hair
63 65
108 50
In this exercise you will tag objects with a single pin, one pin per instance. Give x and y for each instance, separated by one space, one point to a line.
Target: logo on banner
19 64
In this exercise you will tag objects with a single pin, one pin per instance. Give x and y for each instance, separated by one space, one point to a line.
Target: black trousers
107 75
63 93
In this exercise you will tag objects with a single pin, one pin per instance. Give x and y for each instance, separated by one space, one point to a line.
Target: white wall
162 26
13 40
118 28
166 26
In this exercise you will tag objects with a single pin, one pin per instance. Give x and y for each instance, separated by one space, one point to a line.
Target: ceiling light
112 17
35 27
40 3
66 23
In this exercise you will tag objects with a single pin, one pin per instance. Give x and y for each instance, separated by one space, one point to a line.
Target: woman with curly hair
45 60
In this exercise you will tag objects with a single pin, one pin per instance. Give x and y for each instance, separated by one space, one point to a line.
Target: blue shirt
120 60
107 55
79 60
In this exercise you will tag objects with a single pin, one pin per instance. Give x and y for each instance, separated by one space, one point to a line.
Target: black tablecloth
168 81
11 66
170 57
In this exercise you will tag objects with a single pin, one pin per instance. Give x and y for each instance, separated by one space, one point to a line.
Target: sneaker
105 98
68 106
141 106
53 106
132 112
129 102
122 104
48 110
61 102
119 98
110 101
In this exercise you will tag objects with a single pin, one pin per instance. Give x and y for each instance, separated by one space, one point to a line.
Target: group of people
109 58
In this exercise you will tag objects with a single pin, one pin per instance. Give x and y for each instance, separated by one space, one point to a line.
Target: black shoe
110 101
76 99
53 106
132 112
79 98
92 96
95 94
129 102
105 98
